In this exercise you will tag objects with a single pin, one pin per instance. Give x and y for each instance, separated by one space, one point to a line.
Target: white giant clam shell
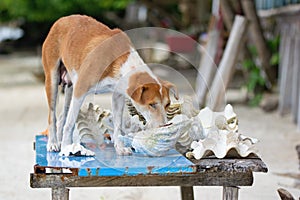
93 123
221 136
158 141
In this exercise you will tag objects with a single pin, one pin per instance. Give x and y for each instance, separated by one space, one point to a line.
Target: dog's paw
53 147
75 149
121 150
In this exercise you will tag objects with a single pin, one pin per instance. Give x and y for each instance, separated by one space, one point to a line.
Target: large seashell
223 120
172 110
194 133
133 111
184 106
156 141
221 145
221 136
93 124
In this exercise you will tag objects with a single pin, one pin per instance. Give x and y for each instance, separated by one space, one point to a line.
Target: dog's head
151 97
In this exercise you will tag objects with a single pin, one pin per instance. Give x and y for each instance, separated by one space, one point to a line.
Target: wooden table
107 169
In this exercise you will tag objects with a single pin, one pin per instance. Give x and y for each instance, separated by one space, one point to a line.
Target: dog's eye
168 104
153 105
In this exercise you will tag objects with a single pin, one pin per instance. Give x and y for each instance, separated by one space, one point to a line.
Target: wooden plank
216 98
60 193
227 13
298 118
230 193
259 40
231 165
285 72
207 67
290 9
107 163
295 76
197 179
187 193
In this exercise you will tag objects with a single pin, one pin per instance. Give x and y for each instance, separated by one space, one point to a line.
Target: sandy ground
23 114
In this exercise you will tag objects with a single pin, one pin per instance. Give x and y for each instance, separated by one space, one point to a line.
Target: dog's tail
45 132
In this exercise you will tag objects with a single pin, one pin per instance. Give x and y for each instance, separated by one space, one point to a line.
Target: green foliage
41 11
256 81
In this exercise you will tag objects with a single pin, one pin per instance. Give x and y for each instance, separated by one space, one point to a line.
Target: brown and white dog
85 56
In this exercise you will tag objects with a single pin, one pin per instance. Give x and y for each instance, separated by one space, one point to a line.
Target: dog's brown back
83 44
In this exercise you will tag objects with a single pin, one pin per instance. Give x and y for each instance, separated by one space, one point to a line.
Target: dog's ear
136 93
172 88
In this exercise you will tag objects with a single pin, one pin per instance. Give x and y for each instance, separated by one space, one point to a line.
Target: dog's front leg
69 126
118 103
68 147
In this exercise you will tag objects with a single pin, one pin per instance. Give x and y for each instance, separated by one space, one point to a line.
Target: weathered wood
207 67
284 194
187 193
298 118
210 171
198 179
230 193
285 67
298 153
289 9
227 13
60 193
231 165
227 64
258 39
295 77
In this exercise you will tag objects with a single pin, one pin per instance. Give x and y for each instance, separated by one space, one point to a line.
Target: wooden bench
107 169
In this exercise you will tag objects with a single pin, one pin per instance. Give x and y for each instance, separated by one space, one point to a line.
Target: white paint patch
75 148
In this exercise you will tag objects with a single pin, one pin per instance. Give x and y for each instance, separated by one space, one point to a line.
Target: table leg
60 193
230 193
187 193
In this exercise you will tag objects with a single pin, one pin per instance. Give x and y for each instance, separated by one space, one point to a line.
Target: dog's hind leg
68 90
51 86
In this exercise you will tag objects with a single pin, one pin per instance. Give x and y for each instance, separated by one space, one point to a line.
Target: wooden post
285 72
295 78
227 13
207 67
230 193
297 64
187 193
60 193
227 64
259 39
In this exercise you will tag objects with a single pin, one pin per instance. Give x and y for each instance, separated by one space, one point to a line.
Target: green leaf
255 100
248 64
274 59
